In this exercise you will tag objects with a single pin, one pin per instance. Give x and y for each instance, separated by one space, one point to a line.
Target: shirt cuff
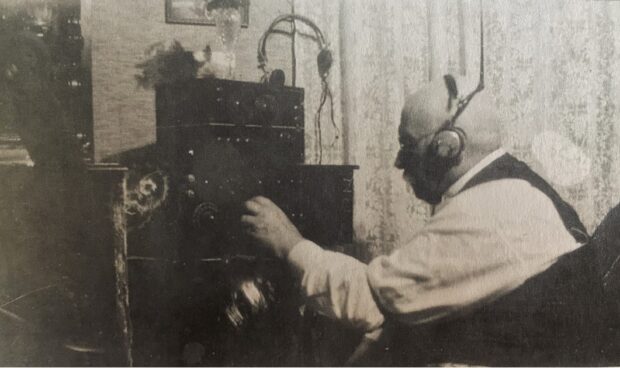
304 256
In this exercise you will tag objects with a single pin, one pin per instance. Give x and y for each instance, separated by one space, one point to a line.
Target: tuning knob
205 215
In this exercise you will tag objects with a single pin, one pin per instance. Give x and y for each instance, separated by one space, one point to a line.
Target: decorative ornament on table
205 58
227 16
144 195
170 64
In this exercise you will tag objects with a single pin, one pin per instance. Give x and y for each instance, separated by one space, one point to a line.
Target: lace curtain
553 67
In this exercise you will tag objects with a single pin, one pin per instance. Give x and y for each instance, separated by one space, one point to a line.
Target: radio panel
208 187
191 264
203 101
254 146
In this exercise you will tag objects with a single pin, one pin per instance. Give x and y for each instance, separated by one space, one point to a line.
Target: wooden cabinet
191 266
62 279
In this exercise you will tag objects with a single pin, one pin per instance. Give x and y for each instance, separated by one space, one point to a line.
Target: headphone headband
324 58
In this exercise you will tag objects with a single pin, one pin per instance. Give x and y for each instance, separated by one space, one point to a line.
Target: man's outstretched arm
459 260
334 284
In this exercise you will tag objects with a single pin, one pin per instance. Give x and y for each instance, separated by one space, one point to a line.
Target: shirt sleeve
462 258
335 285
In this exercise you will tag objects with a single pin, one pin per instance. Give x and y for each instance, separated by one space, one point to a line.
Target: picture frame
195 12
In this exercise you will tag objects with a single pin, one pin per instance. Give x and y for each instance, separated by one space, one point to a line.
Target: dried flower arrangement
171 64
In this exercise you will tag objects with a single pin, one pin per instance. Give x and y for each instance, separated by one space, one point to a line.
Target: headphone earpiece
448 144
324 62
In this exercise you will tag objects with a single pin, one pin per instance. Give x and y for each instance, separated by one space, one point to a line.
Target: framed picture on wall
195 12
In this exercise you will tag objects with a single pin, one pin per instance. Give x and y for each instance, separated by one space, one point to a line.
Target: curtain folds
553 67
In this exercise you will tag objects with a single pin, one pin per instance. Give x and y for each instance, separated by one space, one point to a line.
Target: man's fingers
259 204
250 224
249 220
262 200
253 206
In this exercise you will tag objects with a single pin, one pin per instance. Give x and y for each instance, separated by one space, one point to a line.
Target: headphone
324 58
448 143
324 61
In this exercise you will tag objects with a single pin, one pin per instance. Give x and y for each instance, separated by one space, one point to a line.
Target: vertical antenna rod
481 82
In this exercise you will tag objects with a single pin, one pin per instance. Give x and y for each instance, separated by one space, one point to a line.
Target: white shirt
479 245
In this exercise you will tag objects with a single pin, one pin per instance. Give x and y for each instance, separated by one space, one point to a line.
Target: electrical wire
331 115
318 120
293 46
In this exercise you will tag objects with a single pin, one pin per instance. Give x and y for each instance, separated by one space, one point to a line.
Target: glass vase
228 26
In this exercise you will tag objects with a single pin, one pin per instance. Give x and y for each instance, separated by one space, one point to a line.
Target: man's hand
270 226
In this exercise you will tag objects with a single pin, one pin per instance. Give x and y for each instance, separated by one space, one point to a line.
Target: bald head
427 111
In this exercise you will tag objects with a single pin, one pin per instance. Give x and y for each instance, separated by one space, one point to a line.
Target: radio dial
205 215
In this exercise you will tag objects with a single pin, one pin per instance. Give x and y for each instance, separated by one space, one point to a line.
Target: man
496 224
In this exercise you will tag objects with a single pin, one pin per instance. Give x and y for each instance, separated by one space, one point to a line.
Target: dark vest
552 319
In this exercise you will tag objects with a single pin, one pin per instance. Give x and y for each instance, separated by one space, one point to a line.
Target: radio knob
205 214
191 178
